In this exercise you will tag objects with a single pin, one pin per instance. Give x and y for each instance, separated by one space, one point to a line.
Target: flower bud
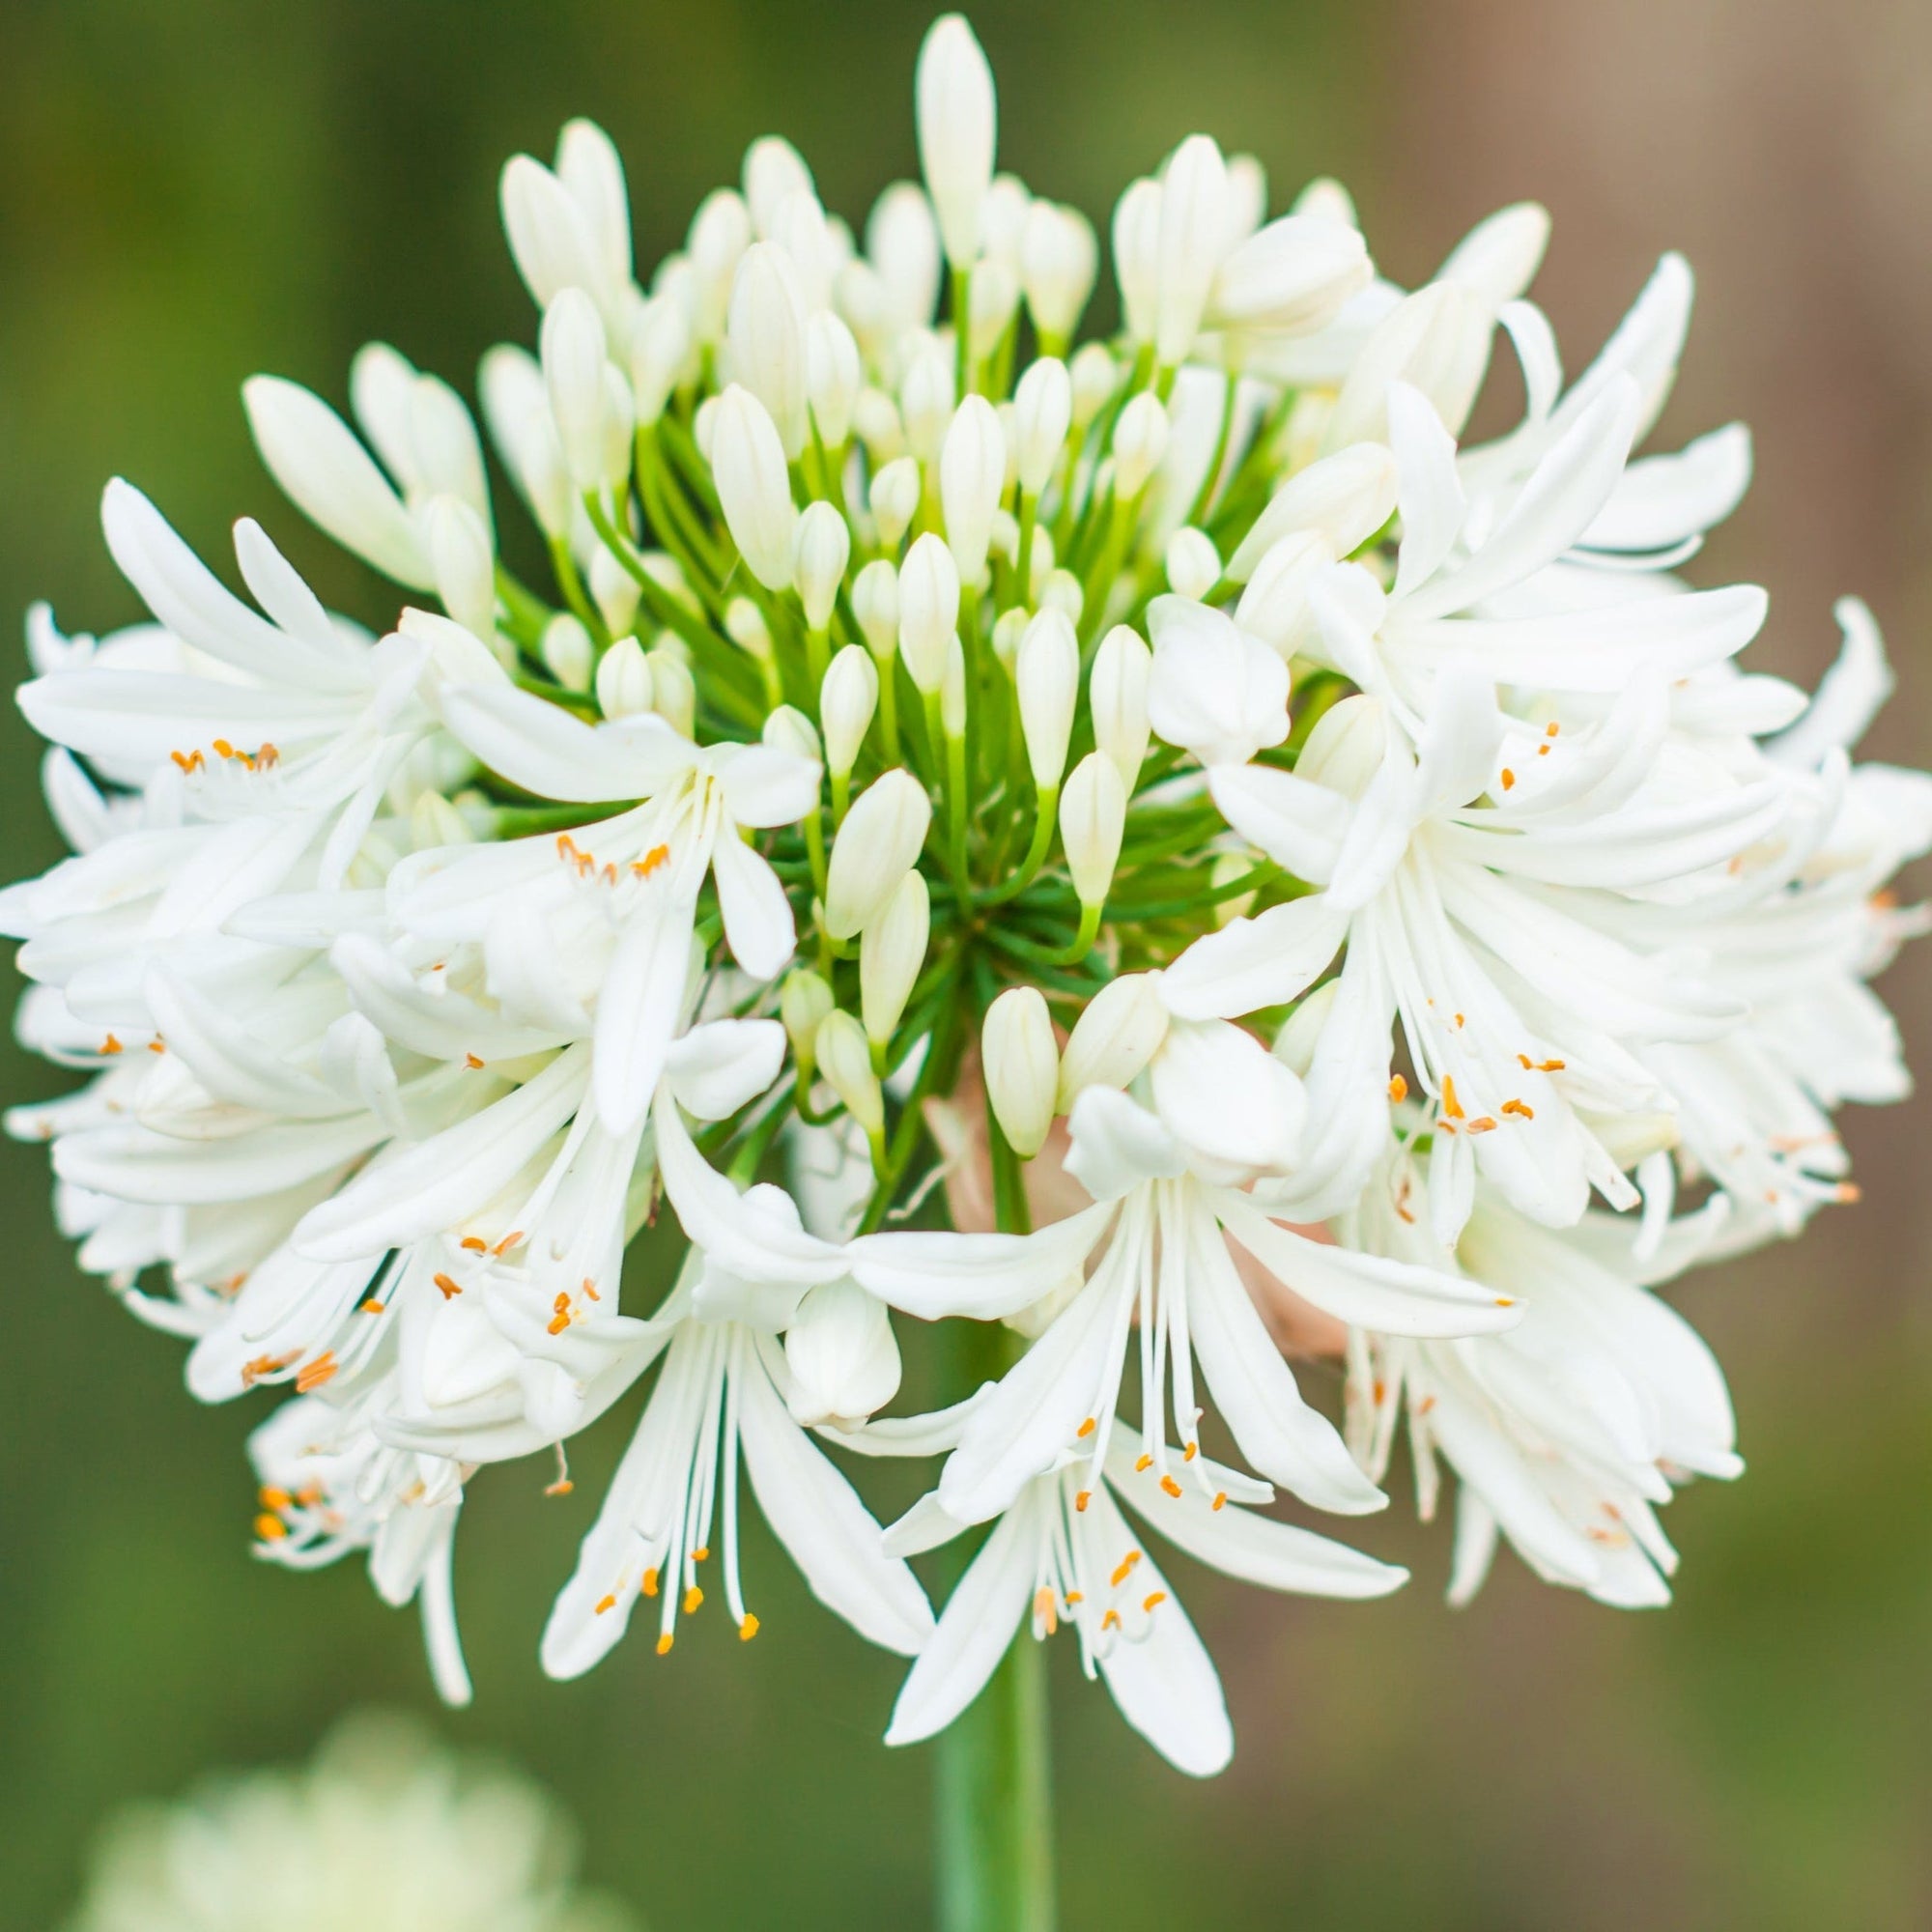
618 426
1274 607
1137 257
1021 1063
845 1062
842 1355
623 680
660 349
954 88
567 652
1291 278
788 730
572 344
1048 678
875 420
721 231
802 1005
773 170
1229 866
518 411
1058 261
1008 630
902 246
464 565
1500 257
673 690
1093 818
1215 692
1043 415
744 625
1092 374
876 603
747 464
895 500
704 426
1003 220
972 472
550 235
1140 441
1061 592
1193 233
1118 1031
891 952
1437 340
925 400
614 591
952 691
846 700
1347 747
1193 563
766 335
877 845
992 299
1116 693
928 610
1247 197
1344 499
801 230
821 549
832 377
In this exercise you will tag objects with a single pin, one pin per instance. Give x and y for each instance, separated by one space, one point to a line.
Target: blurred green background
193 192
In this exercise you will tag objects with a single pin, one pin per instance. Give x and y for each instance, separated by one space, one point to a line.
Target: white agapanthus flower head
1120 851
384 1830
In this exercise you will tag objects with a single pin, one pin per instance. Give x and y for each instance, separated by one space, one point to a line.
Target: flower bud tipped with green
1007 631
1140 441
876 421
846 700
789 730
876 603
992 300
832 377
572 344
1274 607
516 409
957 128
876 846
925 400
1061 592
747 464
928 610
766 336
1193 235
1193 563
821 549
568 654
846 1064
1043 415
803 1006
902 246
774 170
1117 692
1136 240
895 500
1092 819
1058 261
673 690
972 474
460 553
1093 375
843 1357
721 231
1021 1063
1047 675
623 680
891 954
614 591
1118 1031
744 625
660 351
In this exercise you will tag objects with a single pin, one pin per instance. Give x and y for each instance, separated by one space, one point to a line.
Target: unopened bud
1227 869
875 847
821 549
1061 592
1274 607
744 625
876 603
766 336
673 690
925 401
1008 629
1117 692
957 123
1344 499
614 591
1193 237
1092 819
660 347
891 954
928 610
1058 260
773 170
623 680
788 730
1140 441
465 564
1093 373
832 377
845 1062
802 1005
704 426
1118 1033
721 231
568 654
1043 415
895 500
1021 1063
1193 563
1047 677
747 463
1137 257
952 691
972 472
992 300
1301 1031
572 344
902 243
875 421
846 701
843 1358
618 427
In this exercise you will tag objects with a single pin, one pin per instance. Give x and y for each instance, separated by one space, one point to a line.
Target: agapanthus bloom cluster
1138 854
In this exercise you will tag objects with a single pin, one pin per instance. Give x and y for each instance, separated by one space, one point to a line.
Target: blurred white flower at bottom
384 1830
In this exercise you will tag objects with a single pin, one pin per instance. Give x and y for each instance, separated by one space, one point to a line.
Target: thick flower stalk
1295 876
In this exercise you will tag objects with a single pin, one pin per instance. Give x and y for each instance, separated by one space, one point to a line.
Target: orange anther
1125 1568
1156 1597
271 1528
1081 1501
1170 1486
471 1060
314 1374
1045 1611
222 746
649 1586
1509 778
1111 1621
276 1499
1516 1107
1086 1429
700 1555
749 1629
605 1603
267 755
1483 1124
372 1306
475 1243
665 1643
110 1045
1220 1498
450 1289
1550 730
1192 1450
657 856
692 1597
508 1241
1397 1088
1451 1106
1142 1464
155 1046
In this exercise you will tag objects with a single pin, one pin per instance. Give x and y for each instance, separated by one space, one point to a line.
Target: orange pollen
749 1629
1075 1596
1154 1599
475 1243
1509 777
469 1059
1192 1450
1451 1106
562 1487
1170 1487
1483 1124
1518 1108
1081 1501
276 1499
271 1528
1550 730
1086 1429
323 1369
508 1241
1142 1464
1376 1393
1459 1019
1542 750
110 1045
562 1301
1523 1061
1847 1192
190 761
1045 1610
1885 900
605 1603
665 1643
1111 1621
263 1365
591 1288
1397 1088
1126 1568
699 1555
559 1321
1550 1066
449 1288
649 1586
267 755
373 1307
1220 1500
222 746
155 1046
692 1597
658 855
1426 1402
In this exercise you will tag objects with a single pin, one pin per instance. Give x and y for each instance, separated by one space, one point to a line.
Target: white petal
759 925
984 1276
546 751
719 1066
763 786
1117 1145
1299 826
639 1007
1251 963
1225 1096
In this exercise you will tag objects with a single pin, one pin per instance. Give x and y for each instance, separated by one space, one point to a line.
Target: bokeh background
193 192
